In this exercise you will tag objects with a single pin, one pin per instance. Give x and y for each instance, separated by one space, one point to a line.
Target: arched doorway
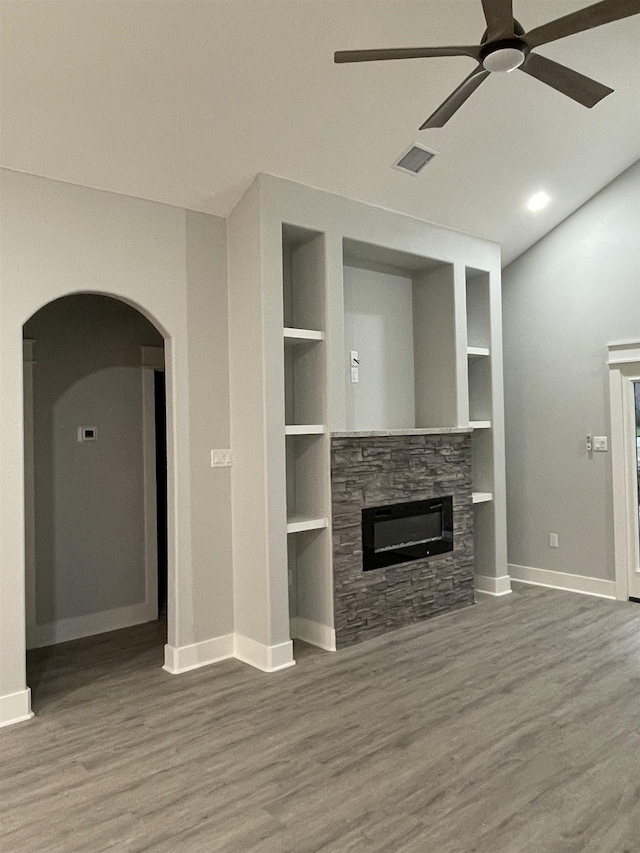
95 464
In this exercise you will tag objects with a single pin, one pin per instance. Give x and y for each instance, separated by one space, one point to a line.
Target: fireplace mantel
380 433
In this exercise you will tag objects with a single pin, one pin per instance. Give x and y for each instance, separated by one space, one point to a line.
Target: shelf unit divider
305 429
481 497
299 523
301 336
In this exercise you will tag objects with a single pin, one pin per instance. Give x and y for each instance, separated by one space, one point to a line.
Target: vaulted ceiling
184 101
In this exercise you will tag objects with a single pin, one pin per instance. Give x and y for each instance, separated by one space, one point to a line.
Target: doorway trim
624 370
29 497
152 359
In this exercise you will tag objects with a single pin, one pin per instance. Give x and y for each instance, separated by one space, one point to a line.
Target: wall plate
220 458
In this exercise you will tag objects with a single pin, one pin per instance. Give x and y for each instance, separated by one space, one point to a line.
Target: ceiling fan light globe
504 59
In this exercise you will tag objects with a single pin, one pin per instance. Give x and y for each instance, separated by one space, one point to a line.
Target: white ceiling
184 101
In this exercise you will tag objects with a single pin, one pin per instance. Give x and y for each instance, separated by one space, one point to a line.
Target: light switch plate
220 458
600 443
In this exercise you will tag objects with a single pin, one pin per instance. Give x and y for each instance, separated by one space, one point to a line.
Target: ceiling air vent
414 159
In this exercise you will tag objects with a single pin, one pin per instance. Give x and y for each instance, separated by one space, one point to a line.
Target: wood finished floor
510 726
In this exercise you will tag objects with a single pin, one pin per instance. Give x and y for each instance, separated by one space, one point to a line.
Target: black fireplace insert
400 533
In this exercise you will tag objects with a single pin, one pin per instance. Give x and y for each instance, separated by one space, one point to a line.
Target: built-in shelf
299 523
475 352
302 336
304 429
481 497
480 424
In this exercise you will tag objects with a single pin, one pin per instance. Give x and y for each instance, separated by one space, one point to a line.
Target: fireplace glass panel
413 530
405 532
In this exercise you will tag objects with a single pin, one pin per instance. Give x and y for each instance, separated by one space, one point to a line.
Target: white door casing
624 370
152 360
29 498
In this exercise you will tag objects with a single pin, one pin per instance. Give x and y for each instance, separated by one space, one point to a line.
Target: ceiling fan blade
582 89
456 99
584 19
404 53
499 17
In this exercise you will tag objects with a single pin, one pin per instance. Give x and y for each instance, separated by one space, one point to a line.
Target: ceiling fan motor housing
506 46
504 55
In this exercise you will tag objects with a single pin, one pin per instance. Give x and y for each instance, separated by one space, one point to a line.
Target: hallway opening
95 473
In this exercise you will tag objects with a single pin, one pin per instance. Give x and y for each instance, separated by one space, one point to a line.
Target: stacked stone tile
382 470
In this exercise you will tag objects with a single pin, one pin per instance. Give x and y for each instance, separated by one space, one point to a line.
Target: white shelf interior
310 586
478 309
481 497
482 461
304 377
484 542
303 279
300 523
480 397
301 336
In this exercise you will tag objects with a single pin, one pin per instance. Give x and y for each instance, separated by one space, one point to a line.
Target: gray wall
210 499
564 300
378 323
89 497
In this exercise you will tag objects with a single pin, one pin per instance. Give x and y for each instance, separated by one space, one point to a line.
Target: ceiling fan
505 46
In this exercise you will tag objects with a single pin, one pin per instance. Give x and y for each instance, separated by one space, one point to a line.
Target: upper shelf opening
294 236
383 259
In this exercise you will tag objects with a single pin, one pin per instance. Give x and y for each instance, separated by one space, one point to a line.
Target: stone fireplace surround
386 467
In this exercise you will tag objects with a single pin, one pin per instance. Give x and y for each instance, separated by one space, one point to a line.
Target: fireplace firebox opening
404 532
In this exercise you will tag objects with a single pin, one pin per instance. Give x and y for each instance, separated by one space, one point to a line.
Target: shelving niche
400 316
290 343
479 375
306 439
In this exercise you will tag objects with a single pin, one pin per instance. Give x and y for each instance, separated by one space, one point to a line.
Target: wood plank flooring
510 726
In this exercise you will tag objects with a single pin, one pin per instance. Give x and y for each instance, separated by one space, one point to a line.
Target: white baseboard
94 623
179 659
485 585
563 580
266 658
15 708
313 633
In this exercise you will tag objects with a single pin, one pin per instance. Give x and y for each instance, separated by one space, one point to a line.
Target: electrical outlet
553 540
355 377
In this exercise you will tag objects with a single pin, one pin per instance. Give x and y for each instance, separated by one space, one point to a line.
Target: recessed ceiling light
538 201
